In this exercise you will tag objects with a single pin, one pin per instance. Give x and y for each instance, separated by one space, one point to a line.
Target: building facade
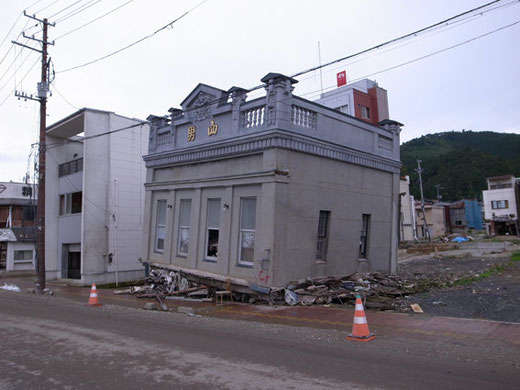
363 99
17 226
271 189
466 214
407 218
94 197
501 204
437 219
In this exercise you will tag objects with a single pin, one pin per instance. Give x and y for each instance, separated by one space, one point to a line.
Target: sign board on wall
341 78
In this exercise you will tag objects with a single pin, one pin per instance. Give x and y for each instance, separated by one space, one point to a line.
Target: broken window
184 226
247 230
160 225
363 241
212 229
323 235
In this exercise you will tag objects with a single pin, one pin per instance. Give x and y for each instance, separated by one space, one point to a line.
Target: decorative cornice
274 139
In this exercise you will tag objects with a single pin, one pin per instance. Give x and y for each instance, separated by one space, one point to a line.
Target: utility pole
419 170
43 89
439 188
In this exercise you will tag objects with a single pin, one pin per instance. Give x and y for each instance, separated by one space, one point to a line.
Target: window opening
363 241
184 226
247 230
212 229
160 228
323 235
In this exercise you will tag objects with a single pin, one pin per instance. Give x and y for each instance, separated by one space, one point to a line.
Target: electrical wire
409 35
78 10
11 29
94 20
23 78
63 97
44 8
448 26
64 9
16 70
426 56
134 43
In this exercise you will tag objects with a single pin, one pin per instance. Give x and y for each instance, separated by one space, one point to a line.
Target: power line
63 97
14 74
136 42
77 11
47 6
23 78
409 35
94 20
448 26
64 9
428 55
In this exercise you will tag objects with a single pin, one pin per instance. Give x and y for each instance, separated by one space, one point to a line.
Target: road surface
49 342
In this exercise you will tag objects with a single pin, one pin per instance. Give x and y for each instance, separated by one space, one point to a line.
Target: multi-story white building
95 197
363 99
501 201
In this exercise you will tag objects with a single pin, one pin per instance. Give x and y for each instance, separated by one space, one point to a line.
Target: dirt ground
475 291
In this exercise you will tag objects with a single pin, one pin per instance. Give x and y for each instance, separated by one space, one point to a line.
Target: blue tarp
460 239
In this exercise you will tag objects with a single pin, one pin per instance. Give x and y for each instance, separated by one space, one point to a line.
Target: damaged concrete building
270 190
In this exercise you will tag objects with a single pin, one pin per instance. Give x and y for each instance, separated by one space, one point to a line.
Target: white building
95 197
363 99
501 204
407 219
17 226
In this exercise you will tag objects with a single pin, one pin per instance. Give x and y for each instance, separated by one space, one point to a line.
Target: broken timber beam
212 280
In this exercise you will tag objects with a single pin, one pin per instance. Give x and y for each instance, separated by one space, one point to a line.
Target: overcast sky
225 43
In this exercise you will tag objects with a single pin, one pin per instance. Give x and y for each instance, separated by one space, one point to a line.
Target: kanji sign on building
341 78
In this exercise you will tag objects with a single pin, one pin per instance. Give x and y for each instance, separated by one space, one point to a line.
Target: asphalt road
55 343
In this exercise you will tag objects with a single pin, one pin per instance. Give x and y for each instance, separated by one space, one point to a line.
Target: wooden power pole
419 170
43 89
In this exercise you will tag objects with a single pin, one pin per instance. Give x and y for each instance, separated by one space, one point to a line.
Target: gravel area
494 297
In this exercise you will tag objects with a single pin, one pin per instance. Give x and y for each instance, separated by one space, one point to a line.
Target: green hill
460 162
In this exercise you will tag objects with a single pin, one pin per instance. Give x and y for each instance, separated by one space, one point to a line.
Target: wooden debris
416 308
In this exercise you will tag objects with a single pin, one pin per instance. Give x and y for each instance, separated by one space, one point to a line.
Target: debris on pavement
10 287
416 308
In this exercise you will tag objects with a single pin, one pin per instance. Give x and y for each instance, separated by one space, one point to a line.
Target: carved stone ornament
199 109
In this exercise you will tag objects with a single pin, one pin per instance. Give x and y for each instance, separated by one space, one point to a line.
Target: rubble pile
161 283
378 291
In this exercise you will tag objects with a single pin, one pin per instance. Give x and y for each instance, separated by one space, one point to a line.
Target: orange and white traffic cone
360 330
93 300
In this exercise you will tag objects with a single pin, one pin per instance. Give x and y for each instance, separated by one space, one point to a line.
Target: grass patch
496 269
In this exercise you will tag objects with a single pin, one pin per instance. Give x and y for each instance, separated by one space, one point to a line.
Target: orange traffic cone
360 330
93 300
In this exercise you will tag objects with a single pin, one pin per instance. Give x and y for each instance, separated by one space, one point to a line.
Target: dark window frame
322 240
364 236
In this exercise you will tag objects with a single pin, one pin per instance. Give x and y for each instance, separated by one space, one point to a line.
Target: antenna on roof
321 78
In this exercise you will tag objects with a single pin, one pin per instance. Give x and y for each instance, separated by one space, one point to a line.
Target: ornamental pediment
202 102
